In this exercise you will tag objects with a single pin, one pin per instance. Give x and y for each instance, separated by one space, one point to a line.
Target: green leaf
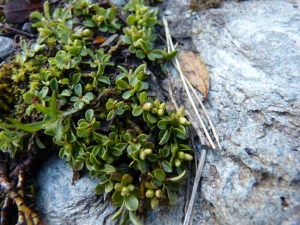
110 115
104 80
170 55
132 49
118 214
142 138
54 85
78 165
143 97
89 114
172 196
89 23
78 105
29 127
126 179
115 151
39 143
159 174
43 93
167 166
23 46
99 190
122 84
76 78
140 54
28 97
178 178
180 134
78 89
131 20
140 68
53 105
152 158
151 56
151 117
162 124
131 202
36 15
134 219
43 109
165 137
126 94
138 86
100 69
127 40
157 53
59 130
137 111
144 45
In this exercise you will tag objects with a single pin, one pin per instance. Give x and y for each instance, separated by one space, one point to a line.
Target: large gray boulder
252 51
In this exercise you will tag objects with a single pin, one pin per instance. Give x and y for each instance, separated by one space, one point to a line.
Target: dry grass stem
205 113
170 47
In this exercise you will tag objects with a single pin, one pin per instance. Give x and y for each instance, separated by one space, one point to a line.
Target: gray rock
118 2
6 46
252 51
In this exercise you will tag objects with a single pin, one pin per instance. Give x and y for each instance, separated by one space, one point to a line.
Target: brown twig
5 210
16 31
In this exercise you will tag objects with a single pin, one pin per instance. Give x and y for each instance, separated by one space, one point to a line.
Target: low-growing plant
94 107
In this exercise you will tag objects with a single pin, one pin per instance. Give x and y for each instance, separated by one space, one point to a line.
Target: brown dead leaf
99 40
17 11
195 71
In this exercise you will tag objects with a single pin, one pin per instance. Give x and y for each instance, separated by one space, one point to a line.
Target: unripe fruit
177 162
125 191
187 157
154 110
160 112
147 106
182 120
150 193
180 112
163 106
86 32
142 155
180 155
130 187
158 193
148 151
154 203
118 186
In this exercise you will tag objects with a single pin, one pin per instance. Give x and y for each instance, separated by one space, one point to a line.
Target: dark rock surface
252 51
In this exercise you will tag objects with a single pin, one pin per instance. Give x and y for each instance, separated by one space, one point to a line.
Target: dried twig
195 187
205 112
189 211
16 31
170 47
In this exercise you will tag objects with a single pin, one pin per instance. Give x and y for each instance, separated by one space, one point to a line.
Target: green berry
142 155
160 112
187 157
158 193
150 193
154 110
147 106
177 162
148 151
130 187
125 191
180 155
